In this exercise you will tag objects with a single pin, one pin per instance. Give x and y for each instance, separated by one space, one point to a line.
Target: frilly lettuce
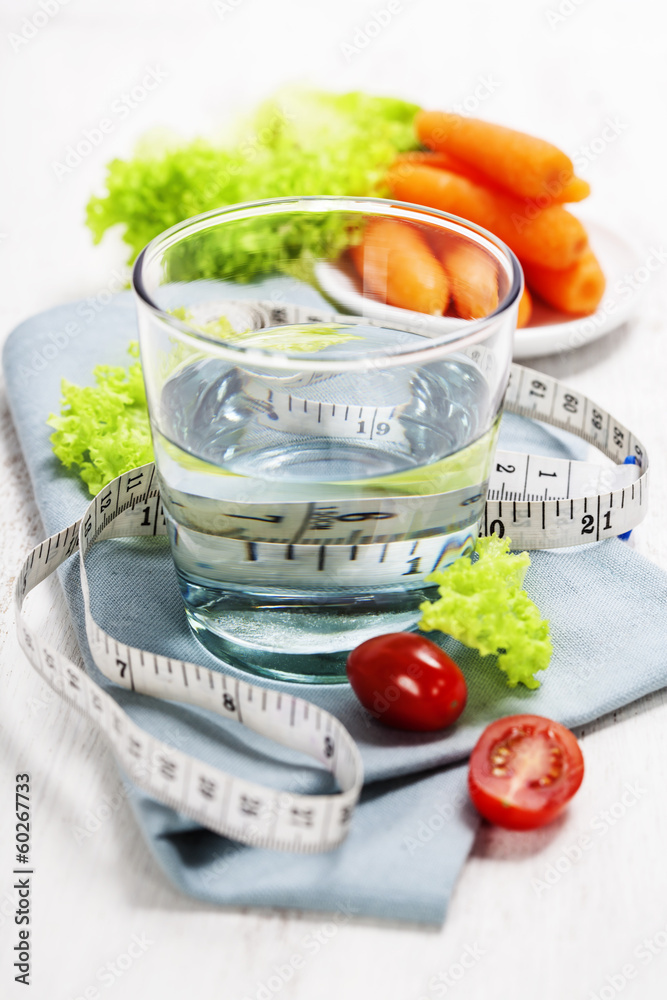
103 429
482 605
299 143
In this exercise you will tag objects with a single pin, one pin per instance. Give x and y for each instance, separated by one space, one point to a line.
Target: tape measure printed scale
228 805
538 502
544 503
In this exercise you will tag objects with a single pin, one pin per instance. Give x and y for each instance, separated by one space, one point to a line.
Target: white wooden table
104 917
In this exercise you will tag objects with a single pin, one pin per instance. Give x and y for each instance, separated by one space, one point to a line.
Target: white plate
550 331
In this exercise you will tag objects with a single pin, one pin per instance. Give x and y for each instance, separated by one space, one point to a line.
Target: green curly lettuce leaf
103 430
299 143
482 605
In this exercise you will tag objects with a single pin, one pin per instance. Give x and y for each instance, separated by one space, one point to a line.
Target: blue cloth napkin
414 825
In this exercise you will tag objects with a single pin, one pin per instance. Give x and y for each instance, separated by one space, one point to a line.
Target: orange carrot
524 165
525 308
445 161
550 237
473 279
575 189
430 159
396 264
577 289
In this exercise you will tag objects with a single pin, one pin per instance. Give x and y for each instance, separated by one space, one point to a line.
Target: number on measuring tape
286 411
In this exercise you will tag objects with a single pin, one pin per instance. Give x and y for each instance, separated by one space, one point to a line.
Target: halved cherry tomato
524 770
407 681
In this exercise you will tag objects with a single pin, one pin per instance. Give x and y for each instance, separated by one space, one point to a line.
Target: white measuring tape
538 502
543 503
231 806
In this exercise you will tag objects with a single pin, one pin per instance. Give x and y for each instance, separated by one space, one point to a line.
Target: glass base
298 642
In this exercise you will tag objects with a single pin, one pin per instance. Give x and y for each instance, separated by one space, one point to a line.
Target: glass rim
471 331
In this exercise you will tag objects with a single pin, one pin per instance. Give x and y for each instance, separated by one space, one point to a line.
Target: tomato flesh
524 770
406 681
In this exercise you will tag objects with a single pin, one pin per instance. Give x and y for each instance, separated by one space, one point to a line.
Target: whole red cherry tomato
407 681
524 770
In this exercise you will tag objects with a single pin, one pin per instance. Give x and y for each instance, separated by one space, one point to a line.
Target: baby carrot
429 158
524 165
525 308
444 161
473 280
550 237
577 289
396 264
575 189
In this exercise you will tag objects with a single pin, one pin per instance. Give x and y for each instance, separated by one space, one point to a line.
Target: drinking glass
321 447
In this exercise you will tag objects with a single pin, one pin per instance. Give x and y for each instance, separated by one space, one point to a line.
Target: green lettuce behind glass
299 143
